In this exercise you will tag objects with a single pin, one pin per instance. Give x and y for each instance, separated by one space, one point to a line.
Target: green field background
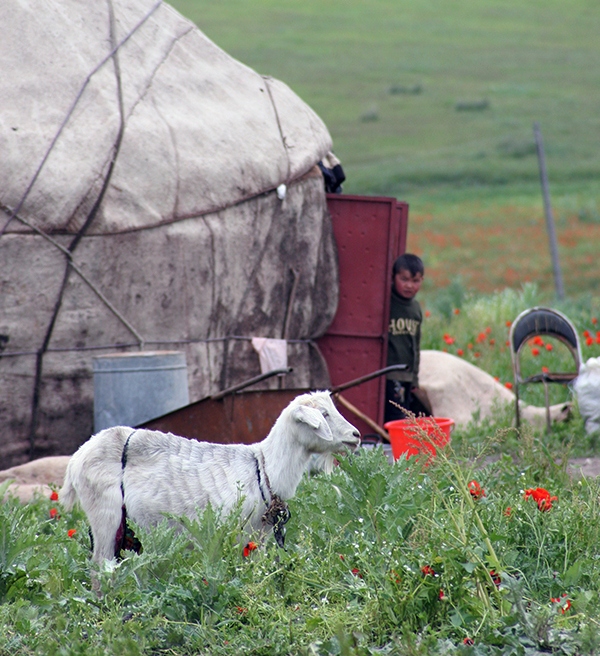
434 102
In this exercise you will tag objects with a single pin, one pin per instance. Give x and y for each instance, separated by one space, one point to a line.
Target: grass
434 103
379 559
431 102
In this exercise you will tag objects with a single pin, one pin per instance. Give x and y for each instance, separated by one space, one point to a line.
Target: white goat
150 473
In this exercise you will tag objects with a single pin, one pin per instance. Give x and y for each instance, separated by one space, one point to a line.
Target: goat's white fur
165 473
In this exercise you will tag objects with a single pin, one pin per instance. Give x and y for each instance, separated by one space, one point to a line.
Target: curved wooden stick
361 415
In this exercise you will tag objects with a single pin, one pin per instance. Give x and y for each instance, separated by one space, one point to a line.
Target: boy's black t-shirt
404 338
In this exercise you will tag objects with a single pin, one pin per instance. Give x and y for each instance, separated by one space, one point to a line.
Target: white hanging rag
271 352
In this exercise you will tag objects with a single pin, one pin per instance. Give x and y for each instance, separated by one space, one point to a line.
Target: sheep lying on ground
458 389
587 390
35 477
148 473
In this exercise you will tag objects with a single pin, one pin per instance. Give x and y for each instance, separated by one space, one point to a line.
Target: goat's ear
313 418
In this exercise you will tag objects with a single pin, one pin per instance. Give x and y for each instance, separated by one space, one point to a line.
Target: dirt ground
586 467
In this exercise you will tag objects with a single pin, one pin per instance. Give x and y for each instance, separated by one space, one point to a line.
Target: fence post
558 283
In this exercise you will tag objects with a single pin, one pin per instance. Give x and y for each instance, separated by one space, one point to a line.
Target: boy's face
407 285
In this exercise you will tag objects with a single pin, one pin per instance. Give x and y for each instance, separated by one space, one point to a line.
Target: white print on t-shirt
403 326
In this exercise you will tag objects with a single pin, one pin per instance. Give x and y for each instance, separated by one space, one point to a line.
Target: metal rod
364 379
558 283
249 382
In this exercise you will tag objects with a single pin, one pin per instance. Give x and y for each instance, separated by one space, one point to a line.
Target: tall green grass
380 558
433 102
475 327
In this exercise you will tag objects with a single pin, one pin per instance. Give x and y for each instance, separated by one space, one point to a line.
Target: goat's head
323 428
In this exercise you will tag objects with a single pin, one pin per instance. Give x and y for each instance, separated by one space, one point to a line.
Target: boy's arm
417 356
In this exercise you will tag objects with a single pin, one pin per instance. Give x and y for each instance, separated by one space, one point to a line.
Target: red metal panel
370 233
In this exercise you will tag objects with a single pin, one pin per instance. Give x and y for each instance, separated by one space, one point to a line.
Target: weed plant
380 558
475 327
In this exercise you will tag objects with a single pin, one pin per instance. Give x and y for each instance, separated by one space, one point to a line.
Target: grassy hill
434 102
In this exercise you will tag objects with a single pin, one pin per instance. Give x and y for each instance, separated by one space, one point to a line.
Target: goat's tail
68 495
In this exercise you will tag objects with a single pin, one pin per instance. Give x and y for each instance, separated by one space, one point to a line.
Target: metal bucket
131 388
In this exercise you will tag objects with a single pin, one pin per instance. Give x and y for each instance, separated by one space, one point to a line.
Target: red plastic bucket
406 435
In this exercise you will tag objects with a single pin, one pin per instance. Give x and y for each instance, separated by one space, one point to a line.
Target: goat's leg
105 519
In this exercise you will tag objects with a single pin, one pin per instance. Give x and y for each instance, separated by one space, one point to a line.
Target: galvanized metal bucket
131 388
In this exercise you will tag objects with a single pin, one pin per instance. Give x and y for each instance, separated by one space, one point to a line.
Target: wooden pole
361 415
558 283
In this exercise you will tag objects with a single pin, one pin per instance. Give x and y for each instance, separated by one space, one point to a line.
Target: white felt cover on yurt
138 210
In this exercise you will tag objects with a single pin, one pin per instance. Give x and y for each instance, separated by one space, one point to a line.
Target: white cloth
587 390
271 352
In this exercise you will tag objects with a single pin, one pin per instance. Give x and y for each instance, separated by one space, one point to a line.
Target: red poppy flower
469 345
342 557
456 311
563 600
448 339
53 513
538 340
54 496
586 333
535 351
508 385
492 342
594 320
475 490
71 532
598 337
545 370
241 610
428 570
251 546
427 313
356 572
442 596
508 324
541 497
460 352
468 641
589 341
477 354
488 330
495 577
497 379
508 512
549 347
481 338
507 343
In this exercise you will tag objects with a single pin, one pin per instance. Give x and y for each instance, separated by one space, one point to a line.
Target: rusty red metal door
370 233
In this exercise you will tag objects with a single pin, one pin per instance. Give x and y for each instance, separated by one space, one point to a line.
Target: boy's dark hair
410 262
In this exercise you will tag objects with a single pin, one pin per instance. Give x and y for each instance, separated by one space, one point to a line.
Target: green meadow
434 103
490 549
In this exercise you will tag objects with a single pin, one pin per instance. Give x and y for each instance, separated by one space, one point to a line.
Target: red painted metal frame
370 233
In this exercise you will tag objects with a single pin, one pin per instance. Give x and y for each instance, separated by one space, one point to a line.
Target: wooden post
558 283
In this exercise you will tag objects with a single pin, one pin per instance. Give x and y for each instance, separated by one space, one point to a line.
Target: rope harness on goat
277 513
125 537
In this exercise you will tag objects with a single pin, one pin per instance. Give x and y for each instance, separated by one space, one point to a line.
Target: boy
404 339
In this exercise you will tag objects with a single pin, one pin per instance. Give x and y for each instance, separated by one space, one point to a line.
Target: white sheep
458 389
148 473
35 477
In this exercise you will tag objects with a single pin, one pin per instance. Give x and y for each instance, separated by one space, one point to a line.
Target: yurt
155 195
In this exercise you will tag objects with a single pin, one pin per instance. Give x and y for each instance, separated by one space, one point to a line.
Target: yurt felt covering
138 211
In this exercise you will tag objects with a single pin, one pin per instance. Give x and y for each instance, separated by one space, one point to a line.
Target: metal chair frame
542 321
